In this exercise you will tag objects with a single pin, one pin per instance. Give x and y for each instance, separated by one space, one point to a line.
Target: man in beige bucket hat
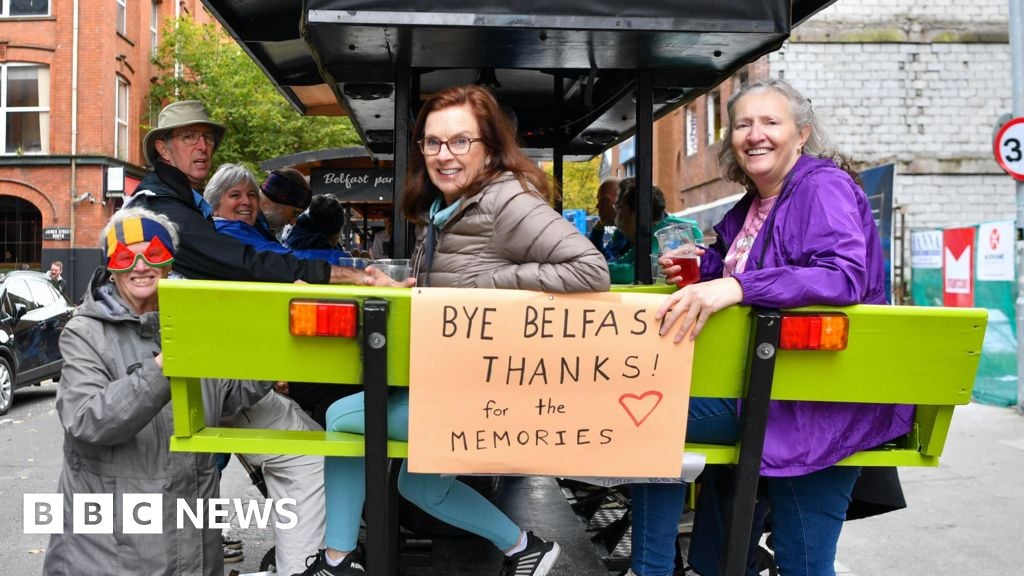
181 148
176 139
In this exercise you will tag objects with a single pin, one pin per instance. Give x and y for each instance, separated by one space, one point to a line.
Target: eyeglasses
156 255
457 146
192 138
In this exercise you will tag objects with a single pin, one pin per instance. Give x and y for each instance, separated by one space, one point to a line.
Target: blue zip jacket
263 242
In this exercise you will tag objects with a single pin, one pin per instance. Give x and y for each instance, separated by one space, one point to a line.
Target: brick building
916 83
73 91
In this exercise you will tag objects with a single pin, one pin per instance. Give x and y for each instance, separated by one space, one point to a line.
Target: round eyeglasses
457 146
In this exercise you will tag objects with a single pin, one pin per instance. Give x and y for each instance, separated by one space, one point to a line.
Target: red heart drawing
644 405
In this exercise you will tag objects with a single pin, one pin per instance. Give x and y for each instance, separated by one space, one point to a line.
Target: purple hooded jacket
819 245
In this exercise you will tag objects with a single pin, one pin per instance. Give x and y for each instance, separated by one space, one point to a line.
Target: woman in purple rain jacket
803 235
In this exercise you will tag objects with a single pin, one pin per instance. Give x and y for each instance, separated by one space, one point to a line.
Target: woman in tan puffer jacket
484 222
481 206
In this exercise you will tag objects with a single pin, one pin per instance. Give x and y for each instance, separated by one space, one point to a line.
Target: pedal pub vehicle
580 77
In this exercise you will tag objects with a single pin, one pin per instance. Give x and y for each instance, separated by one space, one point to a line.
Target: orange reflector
323 318
817 332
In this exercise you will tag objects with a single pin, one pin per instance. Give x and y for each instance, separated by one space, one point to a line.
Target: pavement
964 517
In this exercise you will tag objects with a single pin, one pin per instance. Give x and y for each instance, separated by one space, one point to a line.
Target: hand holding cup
678 254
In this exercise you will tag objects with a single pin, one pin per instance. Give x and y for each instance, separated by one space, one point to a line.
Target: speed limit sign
1009 148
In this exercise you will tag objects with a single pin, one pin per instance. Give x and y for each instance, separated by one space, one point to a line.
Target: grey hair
120 215
818 143
227 175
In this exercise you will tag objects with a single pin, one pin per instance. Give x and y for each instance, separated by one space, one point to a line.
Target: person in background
618 244
803 234
622 268
284 195
56 275
319 228
483 221
181 148
113 402
381 247
233 197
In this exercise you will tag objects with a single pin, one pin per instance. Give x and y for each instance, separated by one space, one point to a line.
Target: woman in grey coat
114 404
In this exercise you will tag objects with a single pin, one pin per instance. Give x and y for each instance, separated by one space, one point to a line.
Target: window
121 119
629 169
18 293
25 108
691 131
42 293
714 118
122 17
154 27
26 8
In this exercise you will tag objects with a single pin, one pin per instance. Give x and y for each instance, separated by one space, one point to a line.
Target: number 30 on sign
1009 148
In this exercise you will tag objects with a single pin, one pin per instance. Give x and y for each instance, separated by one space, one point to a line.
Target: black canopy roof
568 69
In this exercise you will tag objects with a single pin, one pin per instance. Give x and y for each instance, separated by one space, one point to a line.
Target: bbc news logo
143 513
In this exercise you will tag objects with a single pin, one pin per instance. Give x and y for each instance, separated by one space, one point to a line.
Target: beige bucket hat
176 115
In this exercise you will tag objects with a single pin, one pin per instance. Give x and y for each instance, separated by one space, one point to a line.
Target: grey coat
114 404
506 237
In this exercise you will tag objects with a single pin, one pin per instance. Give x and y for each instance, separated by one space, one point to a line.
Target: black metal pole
557 159
644 174
754 417
399 228
557 156
381 508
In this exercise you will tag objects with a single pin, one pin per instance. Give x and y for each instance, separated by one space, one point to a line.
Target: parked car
32 315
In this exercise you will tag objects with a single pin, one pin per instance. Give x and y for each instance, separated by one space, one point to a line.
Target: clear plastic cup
358 263
396 272
675 239
656 270
392 262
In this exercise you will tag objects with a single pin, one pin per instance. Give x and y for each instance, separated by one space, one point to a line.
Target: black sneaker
317 566
536 560
230 540
232 556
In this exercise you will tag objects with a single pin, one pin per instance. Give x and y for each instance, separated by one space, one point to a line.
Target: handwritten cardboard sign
516 382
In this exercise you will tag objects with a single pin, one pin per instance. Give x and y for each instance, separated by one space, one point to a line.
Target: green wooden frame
907 355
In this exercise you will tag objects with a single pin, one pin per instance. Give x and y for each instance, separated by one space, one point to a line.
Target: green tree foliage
200 62
579 183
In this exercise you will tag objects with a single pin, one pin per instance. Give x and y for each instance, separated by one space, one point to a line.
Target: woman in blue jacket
802 235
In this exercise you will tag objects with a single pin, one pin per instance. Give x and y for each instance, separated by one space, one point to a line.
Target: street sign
56 233
1009 148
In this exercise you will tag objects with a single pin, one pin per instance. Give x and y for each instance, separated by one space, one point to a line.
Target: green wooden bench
896 355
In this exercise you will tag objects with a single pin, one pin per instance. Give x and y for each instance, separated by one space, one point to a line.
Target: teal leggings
443 497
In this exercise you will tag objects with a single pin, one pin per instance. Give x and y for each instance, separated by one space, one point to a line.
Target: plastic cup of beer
676 243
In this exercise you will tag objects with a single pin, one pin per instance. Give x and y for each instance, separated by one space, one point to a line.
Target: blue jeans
443 497
807 512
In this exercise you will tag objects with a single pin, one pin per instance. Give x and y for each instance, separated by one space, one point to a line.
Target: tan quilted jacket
506 237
